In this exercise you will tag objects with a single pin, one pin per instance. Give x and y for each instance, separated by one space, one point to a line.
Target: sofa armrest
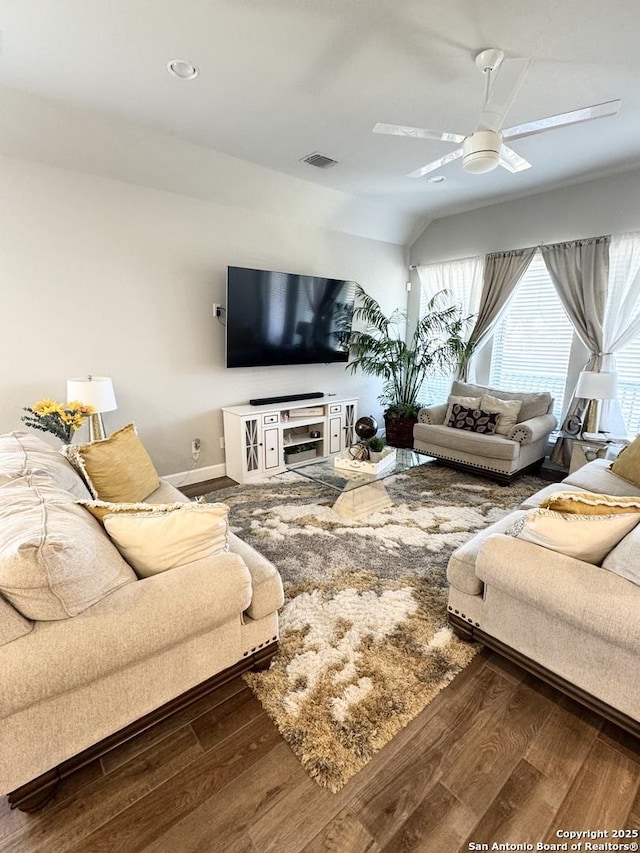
432 414
132 623
530 431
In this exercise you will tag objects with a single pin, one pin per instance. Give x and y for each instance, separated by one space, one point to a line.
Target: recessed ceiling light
437 179
182 69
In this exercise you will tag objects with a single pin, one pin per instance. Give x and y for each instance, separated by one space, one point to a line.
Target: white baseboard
196 475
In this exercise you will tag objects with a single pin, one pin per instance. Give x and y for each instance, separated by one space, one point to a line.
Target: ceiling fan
485 149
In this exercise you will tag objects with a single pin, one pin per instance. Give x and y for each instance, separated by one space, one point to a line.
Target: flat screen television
282 318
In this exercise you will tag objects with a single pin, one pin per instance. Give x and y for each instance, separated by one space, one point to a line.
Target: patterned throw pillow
474 420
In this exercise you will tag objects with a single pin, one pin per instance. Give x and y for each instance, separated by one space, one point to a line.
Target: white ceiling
280 79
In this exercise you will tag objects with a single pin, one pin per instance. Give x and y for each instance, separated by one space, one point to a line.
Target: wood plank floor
496 757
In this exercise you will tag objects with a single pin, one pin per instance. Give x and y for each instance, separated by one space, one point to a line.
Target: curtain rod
413 267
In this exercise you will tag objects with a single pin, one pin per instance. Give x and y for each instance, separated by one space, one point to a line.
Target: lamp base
592 417
96 427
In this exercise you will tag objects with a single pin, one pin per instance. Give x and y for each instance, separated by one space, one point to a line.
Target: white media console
257 437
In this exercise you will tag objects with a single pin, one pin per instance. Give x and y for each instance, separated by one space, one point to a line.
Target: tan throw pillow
55 560
508 411
585 537
627 465
117 468
153 542
590 503
468 402
99 509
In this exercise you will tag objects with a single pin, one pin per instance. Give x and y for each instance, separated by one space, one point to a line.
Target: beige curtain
502 272
580 273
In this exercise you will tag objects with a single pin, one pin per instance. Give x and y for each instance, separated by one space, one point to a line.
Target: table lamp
595 387
96 391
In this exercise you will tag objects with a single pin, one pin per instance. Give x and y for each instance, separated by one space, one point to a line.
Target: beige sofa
572 623
500 457
74 687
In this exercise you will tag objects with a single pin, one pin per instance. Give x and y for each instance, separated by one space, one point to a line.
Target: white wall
104 277
604 206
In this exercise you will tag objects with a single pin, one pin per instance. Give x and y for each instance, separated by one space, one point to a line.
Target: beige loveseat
71 682
573 623
499 456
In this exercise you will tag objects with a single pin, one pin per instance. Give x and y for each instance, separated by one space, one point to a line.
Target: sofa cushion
487 446
12 624
117 468
533 403
596 476
21 452
473 420
55 560
507 410
584 537
624 560
153 542
627 465
461 570
139 621
590 503
563 587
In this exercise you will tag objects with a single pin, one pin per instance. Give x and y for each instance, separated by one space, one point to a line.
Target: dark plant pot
399 431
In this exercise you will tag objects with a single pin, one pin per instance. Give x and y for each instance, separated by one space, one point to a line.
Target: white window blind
628 367
532 342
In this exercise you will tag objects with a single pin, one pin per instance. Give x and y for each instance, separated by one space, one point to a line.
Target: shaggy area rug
364 640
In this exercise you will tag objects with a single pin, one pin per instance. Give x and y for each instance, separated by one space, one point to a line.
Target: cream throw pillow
55 560
585 537
468 402
99 509
627 465
507 409
117 468
589 503
153 542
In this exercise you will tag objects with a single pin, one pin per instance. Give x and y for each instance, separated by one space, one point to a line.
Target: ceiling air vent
321 161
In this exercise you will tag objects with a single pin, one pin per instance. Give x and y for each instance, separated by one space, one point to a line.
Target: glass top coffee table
359 493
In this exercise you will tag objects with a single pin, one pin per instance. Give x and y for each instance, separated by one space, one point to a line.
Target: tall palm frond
437 345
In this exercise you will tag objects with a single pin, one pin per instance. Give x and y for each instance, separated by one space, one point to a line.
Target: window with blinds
532 342
628 366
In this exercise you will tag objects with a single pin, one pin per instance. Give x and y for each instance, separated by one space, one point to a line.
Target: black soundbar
287 398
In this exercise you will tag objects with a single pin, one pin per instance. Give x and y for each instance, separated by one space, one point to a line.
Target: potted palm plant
382 349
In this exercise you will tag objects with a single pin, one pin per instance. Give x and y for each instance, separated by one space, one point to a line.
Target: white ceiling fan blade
436 164
511 161
508 79
531 128
417 132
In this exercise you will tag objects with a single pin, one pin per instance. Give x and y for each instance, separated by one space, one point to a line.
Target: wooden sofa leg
36 794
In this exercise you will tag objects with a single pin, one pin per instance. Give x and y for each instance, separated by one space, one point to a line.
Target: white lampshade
597 386
96 391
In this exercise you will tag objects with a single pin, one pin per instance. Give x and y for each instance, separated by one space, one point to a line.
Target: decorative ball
366 427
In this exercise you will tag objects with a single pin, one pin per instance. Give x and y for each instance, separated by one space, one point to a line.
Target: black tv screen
283 318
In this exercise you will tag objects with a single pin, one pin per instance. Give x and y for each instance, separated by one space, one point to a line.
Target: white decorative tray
365 466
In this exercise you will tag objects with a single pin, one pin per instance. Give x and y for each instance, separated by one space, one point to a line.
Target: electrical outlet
222 442
195 449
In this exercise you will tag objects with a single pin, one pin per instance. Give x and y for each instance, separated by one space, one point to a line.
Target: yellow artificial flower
46 406
77 406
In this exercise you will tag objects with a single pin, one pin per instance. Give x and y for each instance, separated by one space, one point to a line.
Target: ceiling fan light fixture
481 151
